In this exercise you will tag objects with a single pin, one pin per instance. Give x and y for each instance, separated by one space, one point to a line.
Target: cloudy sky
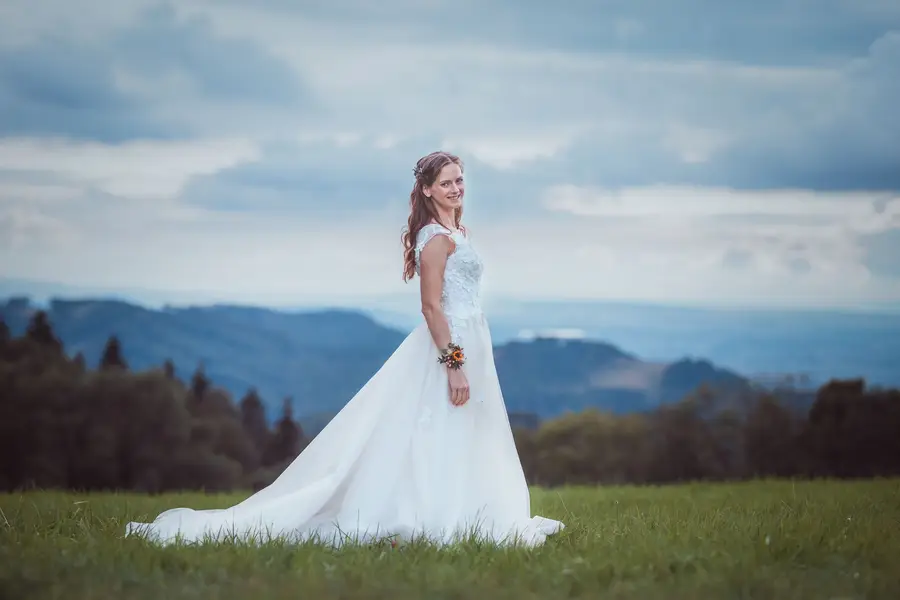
690 151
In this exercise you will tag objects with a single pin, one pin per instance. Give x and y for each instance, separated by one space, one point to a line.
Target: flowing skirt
399 461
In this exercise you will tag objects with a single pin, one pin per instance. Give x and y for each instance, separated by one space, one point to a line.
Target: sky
691 152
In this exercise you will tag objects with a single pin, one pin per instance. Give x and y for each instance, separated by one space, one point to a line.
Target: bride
424 450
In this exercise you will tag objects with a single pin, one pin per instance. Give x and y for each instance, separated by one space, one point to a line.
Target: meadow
761 539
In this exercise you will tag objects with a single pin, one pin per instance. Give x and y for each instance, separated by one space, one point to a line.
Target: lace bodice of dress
461 296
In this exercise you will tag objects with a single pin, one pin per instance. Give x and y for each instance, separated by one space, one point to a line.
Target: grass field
751 540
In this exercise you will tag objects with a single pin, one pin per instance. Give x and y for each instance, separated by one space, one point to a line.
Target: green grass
752 540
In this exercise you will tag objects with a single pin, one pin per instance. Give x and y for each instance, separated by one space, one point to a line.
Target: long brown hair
421 207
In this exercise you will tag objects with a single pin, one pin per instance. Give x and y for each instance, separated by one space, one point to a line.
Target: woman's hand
459 386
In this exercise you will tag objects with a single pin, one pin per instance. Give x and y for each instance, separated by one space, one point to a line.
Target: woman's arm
432 262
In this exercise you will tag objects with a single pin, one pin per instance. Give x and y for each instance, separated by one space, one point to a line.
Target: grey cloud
767 32
318 177
770 32
737 259
781 139
313 177
742 259
224 69
842 136
62 75
883 253
799 266
858 148
62 87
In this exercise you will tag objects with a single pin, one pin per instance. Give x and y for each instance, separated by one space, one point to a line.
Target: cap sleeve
425 234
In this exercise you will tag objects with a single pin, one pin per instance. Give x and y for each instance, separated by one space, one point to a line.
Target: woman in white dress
424 450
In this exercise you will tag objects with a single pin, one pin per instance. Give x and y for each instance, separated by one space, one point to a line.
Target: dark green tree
253 419
770 435
169 369
287 439
40 330
112 357
200 383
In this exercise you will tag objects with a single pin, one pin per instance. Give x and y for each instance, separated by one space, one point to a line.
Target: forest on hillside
66 426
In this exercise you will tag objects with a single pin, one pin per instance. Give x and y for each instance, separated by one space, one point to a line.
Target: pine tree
41 331
112 355
253 419
287 440
169 369
4 336
200 383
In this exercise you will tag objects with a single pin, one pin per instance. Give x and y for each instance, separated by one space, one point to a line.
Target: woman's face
448 189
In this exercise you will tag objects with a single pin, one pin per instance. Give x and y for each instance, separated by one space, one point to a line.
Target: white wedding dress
399 460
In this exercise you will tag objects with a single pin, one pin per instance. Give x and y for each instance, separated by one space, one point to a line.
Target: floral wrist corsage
452 356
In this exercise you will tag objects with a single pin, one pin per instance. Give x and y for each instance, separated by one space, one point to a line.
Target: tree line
847 431
64 425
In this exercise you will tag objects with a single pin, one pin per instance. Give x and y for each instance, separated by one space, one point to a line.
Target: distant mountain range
321 358
766 345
